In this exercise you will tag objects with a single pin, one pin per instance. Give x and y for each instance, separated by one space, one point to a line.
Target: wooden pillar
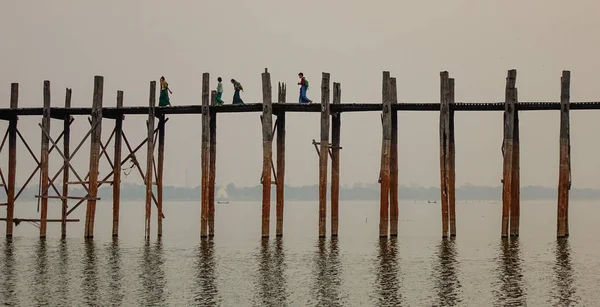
393 159
205 154
564 176
159 171
515 210
117 166
96 138
12 160
323 157
335 160
385 157
67 154
212 166
444 127
280 123
508 150
44 159
267 133
450 160
150 157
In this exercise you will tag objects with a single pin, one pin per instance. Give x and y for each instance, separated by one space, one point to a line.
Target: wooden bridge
272 174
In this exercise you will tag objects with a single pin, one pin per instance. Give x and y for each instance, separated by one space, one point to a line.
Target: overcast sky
133 42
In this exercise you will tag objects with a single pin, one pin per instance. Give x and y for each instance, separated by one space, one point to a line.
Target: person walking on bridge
237 87
219 92
163 99
303 88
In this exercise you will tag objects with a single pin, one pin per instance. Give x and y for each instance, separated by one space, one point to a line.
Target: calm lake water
237 268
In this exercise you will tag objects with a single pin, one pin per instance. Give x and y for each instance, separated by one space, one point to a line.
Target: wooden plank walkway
113 112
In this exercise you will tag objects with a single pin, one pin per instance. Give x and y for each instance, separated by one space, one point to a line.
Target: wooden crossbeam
19 220
67 197
36 161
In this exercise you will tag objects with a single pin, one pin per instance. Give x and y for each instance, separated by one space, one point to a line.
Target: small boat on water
222 202
432 201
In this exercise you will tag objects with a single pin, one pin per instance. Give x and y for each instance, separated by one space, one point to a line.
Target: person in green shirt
219 92
163 99
237 87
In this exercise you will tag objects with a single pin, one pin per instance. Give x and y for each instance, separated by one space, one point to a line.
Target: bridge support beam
65 177
393 160
117 166
280 179
267 136
564 176
510 171
205 154
385 157
44 160
95 139
12 161
212 165
335 160
150 157
451 160
323 156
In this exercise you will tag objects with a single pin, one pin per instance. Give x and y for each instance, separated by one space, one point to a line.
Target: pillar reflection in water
8 291
271 282
89 287
206 293
42 293
388 283
563 293
115 280
447 284
152 274
326 274
510 274
63 284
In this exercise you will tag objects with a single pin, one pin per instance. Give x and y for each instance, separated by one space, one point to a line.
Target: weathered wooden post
117 166
212 165
150 156
564 176
335 160
393 160
205 154
450 160
12 160
515 210
280 123
444 127
267 133
159 172
67 154
508 150
95 139
44 159
385 157
323 156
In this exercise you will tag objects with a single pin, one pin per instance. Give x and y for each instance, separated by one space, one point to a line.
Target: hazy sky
133 42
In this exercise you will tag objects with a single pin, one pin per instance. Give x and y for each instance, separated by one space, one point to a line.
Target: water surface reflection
563 292
271 283
447 284
387 282
115 280
152 274
8 289
42 292
90 274
510 274
206 293
325 291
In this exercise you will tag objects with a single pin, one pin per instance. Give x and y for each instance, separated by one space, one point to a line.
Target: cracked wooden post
444 127
212 165
95 139
267 133
335 160
323 157
159 173
44 160
67 154
564 176
508 150
515 210
205 154
150 157
280 189
385 157
12 161
117 166
450 161
393 160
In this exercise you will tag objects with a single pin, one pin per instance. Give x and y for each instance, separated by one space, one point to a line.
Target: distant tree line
357 191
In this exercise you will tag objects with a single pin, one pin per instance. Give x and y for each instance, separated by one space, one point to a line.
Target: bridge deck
6 113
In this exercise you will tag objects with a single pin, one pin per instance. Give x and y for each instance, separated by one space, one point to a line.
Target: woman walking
163 99
236 94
